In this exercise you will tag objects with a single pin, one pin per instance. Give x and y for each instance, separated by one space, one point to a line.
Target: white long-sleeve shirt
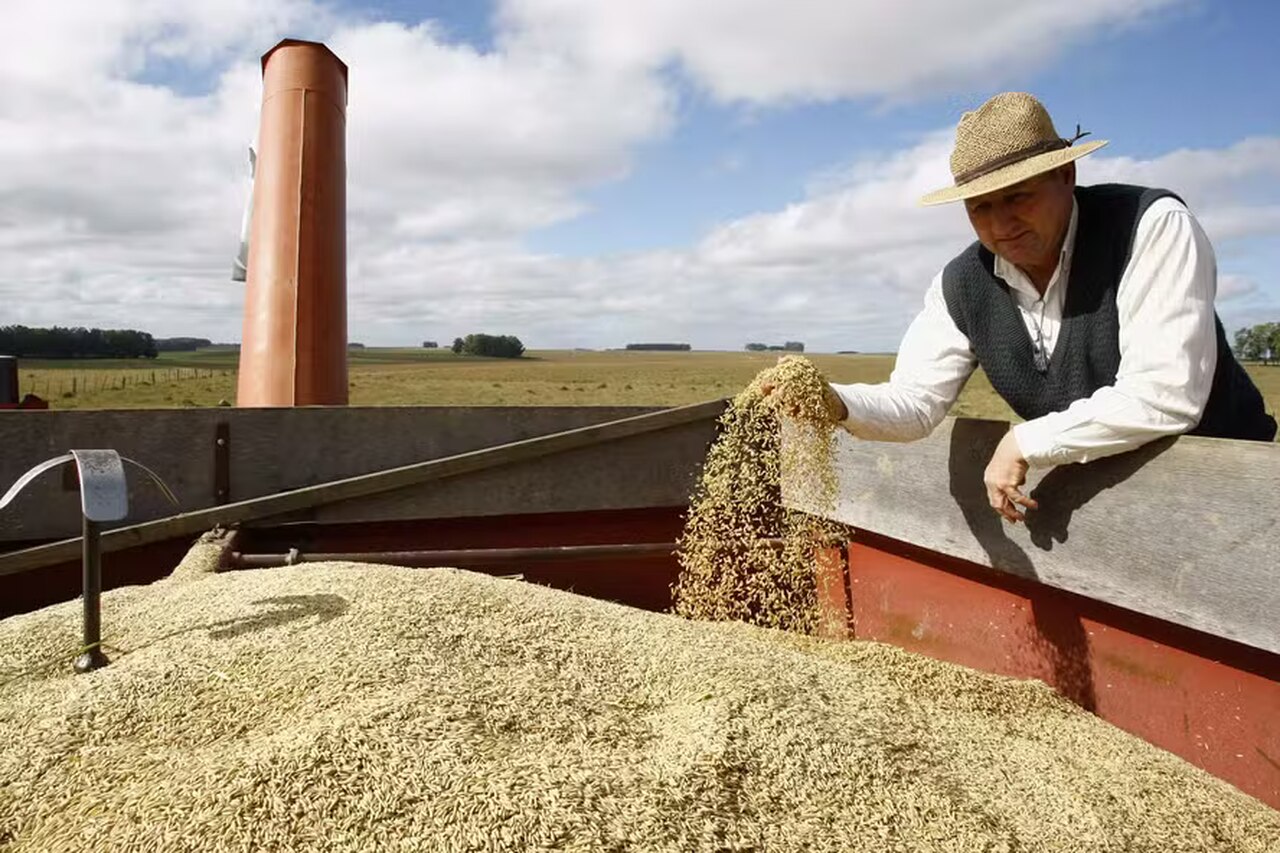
1168 352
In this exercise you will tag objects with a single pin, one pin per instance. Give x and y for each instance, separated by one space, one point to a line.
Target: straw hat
1006 140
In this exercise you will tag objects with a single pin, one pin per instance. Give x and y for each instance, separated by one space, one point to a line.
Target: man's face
1026 223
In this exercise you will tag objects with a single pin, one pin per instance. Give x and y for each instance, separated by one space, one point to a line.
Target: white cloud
765 51
449 143
120 199
842 269
1235 191
1233 286
117 193
862 251
860 218
60 47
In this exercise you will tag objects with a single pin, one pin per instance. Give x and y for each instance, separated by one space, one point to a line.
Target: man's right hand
836 410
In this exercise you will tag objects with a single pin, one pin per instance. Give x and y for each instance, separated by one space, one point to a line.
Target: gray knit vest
1087 354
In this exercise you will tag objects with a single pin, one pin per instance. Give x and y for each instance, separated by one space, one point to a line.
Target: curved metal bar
155 478
104 496
26 478
104 492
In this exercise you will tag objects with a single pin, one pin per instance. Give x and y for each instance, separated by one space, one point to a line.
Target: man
1089 308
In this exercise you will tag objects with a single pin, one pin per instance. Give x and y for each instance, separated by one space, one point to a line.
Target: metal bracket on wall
104 497
222 463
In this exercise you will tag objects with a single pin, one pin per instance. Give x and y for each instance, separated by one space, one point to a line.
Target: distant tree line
789 346
181 344
78 342
493 346
661 347
1259 343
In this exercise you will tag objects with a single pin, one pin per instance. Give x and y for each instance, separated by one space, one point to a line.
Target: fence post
9 390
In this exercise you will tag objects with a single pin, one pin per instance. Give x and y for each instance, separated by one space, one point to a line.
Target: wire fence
62 384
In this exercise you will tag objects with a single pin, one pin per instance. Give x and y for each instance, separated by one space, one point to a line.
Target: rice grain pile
342 707
731 568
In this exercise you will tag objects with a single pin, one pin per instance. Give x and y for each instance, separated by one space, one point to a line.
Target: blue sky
1201 76
589 172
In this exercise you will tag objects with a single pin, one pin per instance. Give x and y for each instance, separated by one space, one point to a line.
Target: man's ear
1069 175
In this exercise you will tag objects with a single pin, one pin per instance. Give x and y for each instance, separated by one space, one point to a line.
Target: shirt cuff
848 404
1035 440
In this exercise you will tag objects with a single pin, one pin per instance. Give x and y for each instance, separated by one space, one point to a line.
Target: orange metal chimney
294 345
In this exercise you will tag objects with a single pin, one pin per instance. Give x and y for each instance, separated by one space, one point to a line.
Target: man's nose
1003 221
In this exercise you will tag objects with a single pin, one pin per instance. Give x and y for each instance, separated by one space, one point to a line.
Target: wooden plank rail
268 451
1185 530
309 497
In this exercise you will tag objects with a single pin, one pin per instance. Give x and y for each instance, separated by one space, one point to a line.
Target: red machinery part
294 349
30 401
1211 701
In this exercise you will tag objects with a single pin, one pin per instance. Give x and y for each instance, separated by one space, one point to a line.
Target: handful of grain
744 556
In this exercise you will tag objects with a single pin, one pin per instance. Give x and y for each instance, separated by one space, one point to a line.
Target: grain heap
730 567
340 707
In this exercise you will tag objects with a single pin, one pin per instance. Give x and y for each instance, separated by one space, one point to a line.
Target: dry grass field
416 377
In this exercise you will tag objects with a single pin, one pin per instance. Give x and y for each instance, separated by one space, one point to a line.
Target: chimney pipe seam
297 257
340 108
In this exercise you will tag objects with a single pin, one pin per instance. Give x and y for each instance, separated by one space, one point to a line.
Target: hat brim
1012 174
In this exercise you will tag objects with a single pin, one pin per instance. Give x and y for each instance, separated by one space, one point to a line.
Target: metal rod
466 557
92 657
463 556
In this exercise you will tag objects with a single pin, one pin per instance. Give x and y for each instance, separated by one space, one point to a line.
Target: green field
418 377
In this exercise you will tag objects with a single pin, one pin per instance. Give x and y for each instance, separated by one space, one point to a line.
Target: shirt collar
1017 279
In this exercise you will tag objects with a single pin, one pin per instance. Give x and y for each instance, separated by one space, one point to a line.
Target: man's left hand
1005 475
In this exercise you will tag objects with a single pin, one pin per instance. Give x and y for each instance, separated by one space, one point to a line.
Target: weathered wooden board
1186 530
305 500
270 451
647 469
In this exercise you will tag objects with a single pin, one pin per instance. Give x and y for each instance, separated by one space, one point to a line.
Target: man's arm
1168 349
933 364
